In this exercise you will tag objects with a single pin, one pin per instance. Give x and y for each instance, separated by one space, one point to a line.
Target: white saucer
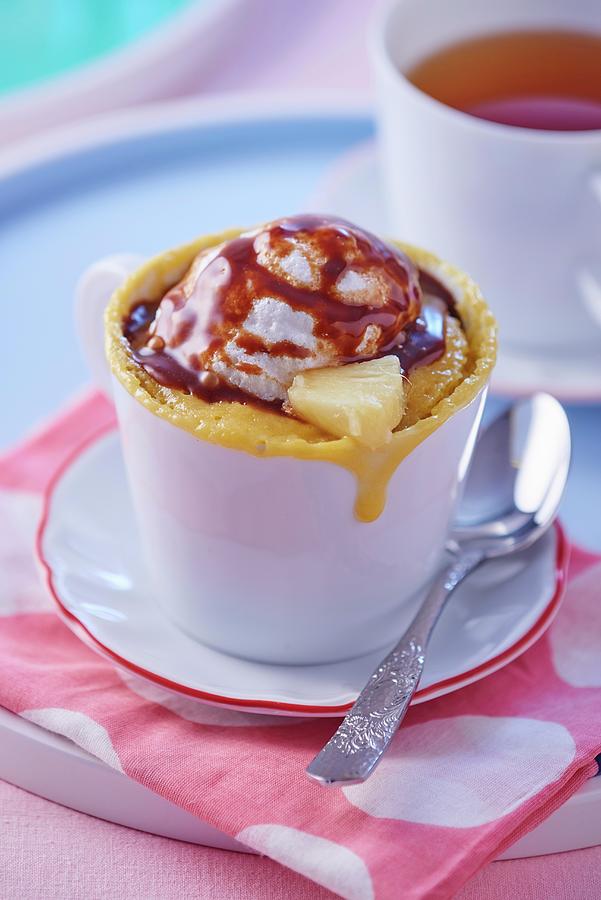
353 189
88 549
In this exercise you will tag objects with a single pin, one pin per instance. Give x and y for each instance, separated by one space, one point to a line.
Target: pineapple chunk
364 400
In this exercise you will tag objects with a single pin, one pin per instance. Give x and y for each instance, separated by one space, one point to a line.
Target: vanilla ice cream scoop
298 293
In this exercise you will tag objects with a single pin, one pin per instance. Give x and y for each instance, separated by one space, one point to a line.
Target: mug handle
589 276
92 293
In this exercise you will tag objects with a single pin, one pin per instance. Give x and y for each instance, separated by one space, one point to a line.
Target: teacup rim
382 62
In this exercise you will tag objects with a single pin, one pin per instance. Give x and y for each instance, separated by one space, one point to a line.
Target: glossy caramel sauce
166 370
410 330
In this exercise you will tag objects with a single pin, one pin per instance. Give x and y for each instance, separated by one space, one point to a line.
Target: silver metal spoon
511 496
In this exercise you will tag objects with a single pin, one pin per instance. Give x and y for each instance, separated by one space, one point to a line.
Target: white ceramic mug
519 209
263 557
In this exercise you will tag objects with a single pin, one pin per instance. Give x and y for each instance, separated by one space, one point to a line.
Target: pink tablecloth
54 853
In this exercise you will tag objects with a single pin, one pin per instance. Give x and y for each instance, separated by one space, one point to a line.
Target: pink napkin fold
466 776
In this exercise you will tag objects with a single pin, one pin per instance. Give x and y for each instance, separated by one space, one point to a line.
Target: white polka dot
79 728
330 864
464 771
575 642
199 712
21 588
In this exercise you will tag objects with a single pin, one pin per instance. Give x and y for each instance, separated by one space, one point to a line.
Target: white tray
54 768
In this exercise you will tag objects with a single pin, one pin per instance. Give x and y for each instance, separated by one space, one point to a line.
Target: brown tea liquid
532 79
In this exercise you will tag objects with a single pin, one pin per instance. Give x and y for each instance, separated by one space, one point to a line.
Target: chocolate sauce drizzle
422 336
337 242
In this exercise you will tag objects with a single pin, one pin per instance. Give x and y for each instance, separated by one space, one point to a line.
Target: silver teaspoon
511 496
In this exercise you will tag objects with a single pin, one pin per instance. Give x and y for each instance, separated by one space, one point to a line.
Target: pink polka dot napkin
466 776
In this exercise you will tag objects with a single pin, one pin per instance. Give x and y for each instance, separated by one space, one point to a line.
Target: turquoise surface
40 39
146 194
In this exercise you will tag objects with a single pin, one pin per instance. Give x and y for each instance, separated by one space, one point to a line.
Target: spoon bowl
516 479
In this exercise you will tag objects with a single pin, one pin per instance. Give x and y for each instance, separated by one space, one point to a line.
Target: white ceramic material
354 189
263 558
89 550
519 209
53 767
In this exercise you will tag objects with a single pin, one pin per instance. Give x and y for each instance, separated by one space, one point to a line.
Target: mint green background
43 38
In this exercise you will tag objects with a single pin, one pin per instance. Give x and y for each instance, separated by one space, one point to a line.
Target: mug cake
308 337
253 371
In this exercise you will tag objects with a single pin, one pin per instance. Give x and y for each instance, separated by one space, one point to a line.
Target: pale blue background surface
145 194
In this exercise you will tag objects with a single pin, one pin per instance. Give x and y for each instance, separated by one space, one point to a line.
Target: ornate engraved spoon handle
356 748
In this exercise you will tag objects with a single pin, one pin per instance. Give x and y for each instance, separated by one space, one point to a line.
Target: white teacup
519 209
263 557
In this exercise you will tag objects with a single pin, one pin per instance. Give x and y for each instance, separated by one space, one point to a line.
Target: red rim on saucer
562 554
